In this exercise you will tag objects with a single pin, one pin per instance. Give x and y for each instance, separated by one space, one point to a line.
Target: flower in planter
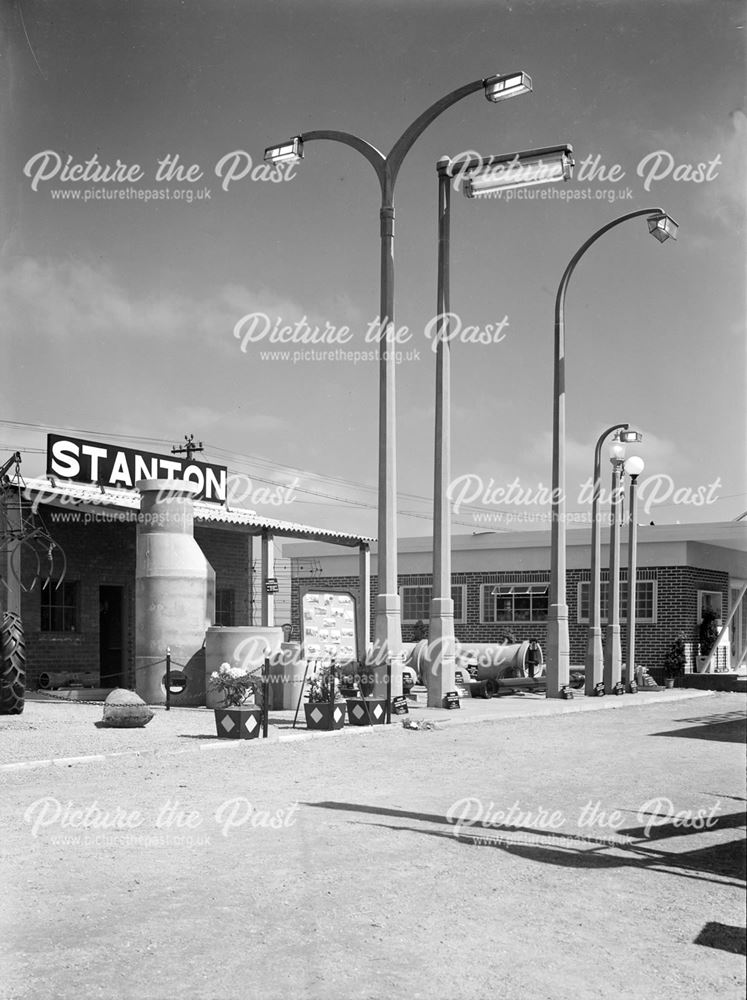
235 684
320 690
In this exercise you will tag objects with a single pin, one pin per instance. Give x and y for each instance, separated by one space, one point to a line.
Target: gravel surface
330 868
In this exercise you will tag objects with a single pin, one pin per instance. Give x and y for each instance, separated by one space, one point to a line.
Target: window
514 602
416 602
224 607
645 601
709 600
59 607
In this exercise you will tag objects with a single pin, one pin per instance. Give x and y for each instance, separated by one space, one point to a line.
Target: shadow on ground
723 936
728 727
568 850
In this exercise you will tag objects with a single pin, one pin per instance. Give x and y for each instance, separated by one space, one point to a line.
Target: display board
328 621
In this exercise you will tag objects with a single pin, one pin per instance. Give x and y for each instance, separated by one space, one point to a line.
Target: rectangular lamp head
630 436
285 152
504 173
503 86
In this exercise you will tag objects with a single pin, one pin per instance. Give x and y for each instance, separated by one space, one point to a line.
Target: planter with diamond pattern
367 712
323 715
239 722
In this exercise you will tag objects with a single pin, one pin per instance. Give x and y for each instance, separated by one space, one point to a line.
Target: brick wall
676 598
98 554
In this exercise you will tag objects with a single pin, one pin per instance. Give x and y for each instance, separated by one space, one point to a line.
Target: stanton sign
110 465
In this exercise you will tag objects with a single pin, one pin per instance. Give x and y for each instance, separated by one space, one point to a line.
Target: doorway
111 636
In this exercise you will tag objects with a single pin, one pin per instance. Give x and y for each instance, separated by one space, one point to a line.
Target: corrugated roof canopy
81 496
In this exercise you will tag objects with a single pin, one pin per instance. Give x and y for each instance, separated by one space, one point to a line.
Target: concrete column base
441 652
386 655
612 658
594 661
558 657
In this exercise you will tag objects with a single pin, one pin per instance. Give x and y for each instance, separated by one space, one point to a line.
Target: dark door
111 636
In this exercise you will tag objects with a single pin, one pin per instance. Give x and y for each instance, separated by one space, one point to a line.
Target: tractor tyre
13 672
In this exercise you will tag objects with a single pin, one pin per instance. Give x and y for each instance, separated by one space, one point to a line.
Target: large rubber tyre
13 673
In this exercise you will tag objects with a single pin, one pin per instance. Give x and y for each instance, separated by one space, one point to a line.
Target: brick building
500 585
78 601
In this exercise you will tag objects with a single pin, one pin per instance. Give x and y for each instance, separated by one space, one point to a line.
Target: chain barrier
101 701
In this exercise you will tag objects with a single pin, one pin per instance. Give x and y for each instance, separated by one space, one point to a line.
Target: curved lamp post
594 651
479 176
662 227
634 466
388 627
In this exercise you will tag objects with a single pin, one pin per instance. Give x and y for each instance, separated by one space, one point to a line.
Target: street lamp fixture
501 88
285 152
558 640
634 466
387 652
594 683
662 227
442 642
612 649
493 174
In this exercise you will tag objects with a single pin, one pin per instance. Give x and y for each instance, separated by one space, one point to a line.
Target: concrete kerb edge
609 702
295 736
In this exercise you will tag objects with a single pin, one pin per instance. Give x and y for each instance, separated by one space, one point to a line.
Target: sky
140 309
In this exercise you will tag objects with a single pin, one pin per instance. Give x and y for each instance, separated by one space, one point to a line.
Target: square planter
367 712
322 715
239 722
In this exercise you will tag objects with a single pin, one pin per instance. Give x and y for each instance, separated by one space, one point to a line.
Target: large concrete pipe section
486 660
174 593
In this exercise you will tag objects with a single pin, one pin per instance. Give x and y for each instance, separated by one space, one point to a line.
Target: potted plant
675 660
708 631
238 718
364 708
325 708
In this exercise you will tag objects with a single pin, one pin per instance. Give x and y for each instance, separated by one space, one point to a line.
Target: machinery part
13 672
491 688
481 690
68 678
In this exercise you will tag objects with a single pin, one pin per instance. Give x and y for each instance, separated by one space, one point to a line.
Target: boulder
124 709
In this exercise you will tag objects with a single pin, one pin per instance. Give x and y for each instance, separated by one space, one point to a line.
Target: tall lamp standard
594 652
479 176
612 649
662 227
388 625
634 466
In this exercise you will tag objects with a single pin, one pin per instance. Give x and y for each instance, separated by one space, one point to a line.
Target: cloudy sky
120 304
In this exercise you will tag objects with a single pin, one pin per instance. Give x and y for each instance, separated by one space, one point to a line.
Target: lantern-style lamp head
285 152
630 437
662 227
617 451
503 86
